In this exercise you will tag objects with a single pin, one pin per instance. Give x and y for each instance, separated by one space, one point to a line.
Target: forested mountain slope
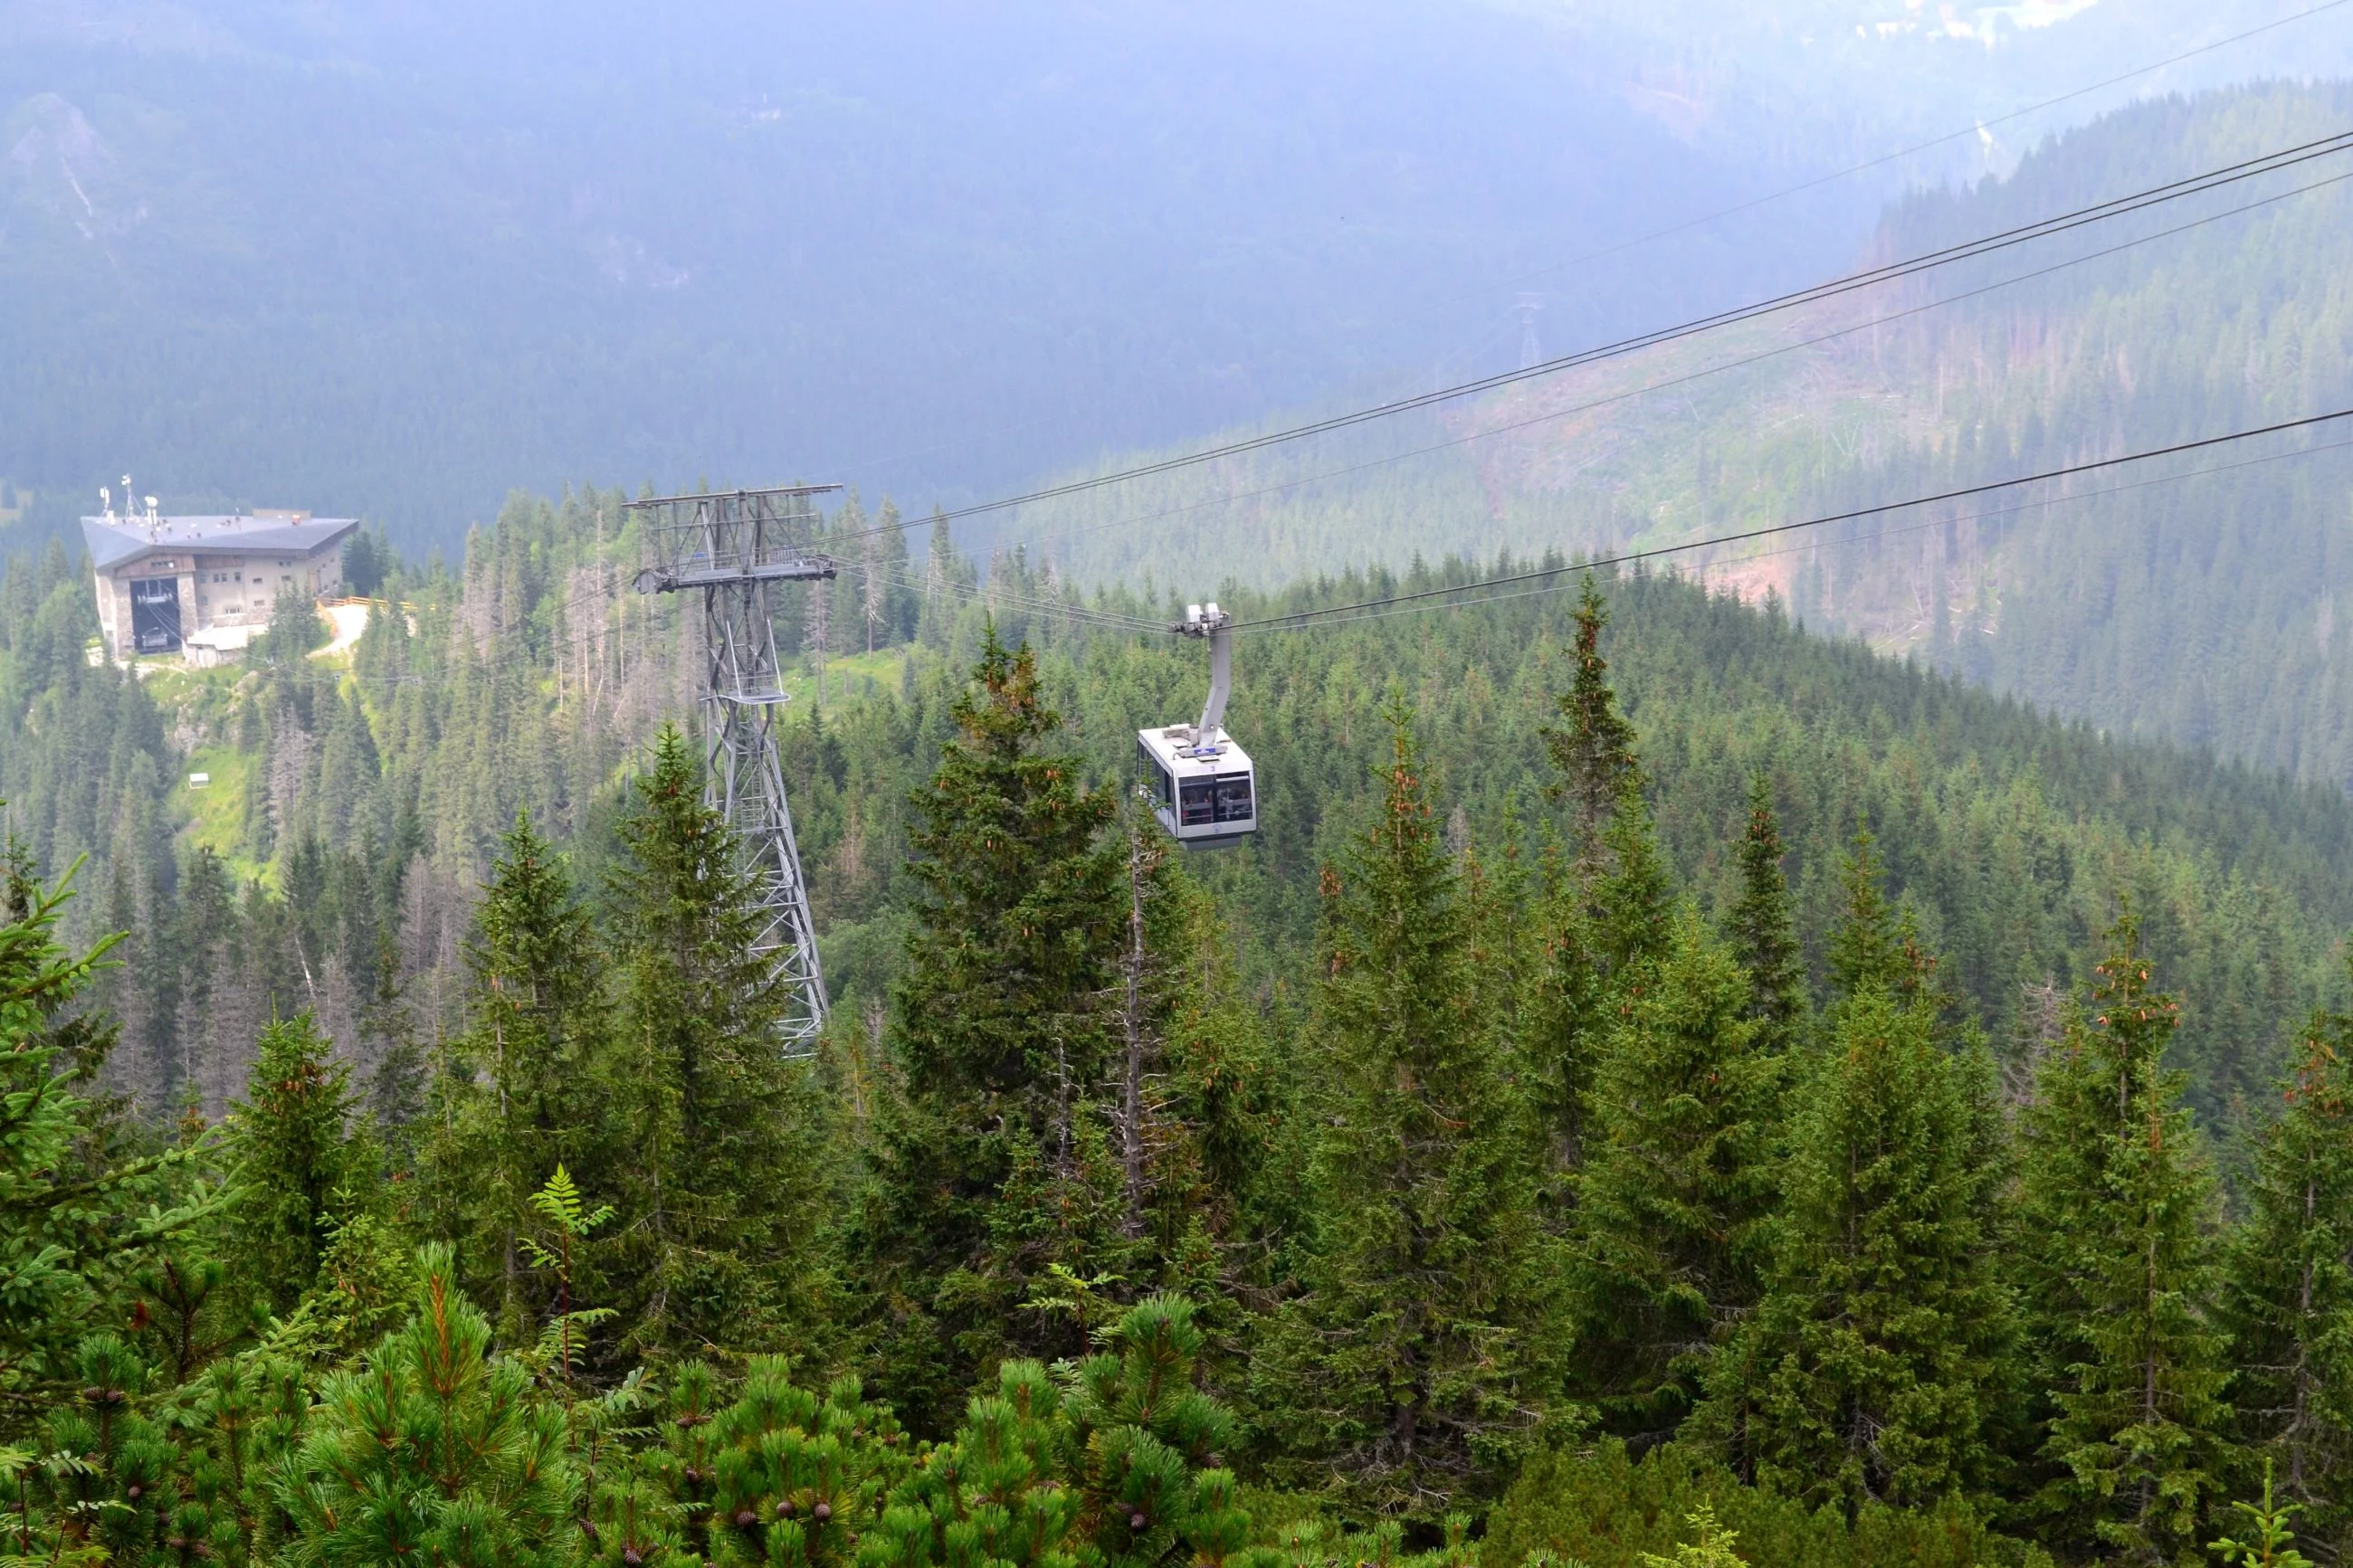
2204 610
390 259
351 813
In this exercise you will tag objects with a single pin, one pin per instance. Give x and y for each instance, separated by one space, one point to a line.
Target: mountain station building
203 587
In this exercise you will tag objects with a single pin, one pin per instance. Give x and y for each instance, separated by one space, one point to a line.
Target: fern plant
569 1221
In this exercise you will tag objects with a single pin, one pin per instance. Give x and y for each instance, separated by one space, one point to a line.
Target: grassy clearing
216 814
846 675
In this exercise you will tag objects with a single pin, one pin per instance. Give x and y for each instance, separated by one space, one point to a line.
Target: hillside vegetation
2199 610
381 785
1658 1081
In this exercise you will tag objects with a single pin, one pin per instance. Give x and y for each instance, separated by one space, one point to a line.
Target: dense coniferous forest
1660 1086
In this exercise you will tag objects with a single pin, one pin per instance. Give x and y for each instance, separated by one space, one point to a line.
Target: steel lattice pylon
732 547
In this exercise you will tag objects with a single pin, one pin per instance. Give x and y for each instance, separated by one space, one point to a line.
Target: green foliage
146 1477
1711 1546
1876 1361
1605 911
42 1288
1417 1363
298 1171
568 1222
1603 1508
366 1281
78 1219
1761 928
536 1022
714 1135
2288 1299
2270 1541
1678 1183
434 1452
295 628
984 1173
366 559
2118 1259
1593 755
1116 1468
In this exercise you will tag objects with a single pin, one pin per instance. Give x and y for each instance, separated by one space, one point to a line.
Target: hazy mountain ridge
395 260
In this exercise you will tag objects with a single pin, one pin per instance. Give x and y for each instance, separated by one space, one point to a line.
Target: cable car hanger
1199 783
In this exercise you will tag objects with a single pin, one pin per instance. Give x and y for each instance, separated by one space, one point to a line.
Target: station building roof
115 538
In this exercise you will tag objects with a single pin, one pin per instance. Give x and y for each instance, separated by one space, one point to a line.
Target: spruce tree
713 1136
299 1170
1871 1368
2117 1258
1418 1362
1759 926
60 1249
988 1164
1593 751
525 1101
1606 912
1677 1183
2289 1295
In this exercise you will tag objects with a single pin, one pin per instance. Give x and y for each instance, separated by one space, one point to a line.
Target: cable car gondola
1200 783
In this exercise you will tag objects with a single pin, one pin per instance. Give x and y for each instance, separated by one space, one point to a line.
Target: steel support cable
1571 573
1686 226
1382 608
2069 498
2215 179
1688 378
1987 244
1298 620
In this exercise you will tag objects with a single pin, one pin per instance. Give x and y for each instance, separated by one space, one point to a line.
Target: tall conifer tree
298 1171
1759 926
1608 910
1678 1182
1001 1029
2118 1259
1417 1363
2289 1299
526 1099
1871 1368
715 1135
1593 751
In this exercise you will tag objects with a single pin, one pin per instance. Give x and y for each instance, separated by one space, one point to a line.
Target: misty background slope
2197 600
397 260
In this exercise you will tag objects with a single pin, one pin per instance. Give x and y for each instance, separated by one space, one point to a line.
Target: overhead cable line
1553 579
1686 379
1974 128
1575 569
1987 244
1111 620
2070 498
1299 620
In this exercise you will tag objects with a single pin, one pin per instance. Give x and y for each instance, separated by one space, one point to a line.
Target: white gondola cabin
1199 783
